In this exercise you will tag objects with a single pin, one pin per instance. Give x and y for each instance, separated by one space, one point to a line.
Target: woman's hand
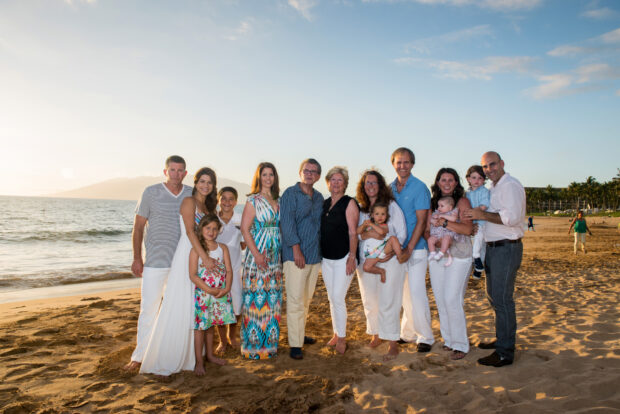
208 262
261 262
351 264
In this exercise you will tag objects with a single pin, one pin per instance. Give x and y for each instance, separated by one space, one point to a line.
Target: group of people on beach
195 280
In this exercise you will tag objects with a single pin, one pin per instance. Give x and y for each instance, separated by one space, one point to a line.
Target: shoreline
68 290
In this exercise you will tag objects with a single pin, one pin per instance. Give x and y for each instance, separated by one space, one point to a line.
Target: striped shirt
161 209
300 223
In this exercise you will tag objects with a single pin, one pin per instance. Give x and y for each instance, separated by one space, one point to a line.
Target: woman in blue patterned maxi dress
262 266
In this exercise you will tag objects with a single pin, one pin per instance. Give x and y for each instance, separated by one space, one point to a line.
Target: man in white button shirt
502 233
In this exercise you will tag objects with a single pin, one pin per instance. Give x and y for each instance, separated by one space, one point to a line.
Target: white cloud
605 43
567 50
483 70
553 86
583 79
500 5
304 7
597 72
600 14
245 27
425 45
611 37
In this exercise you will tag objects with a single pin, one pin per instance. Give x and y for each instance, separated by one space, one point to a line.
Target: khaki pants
300 284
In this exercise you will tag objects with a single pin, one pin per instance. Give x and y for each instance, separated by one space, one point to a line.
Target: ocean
58 241
48 242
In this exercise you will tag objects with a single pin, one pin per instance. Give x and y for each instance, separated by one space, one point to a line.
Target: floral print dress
211 311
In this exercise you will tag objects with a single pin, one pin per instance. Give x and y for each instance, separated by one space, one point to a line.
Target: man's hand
300 261
474 213
137 266
405 255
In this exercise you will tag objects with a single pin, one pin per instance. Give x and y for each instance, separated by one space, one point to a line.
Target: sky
97 89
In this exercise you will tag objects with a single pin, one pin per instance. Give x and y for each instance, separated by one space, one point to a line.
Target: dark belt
502 242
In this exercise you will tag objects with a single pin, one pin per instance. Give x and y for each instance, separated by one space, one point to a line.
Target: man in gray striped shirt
157 216
300 220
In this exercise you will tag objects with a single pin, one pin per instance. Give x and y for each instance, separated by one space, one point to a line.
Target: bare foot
392 351
132 366
199 370
382 276
332 342
375 341
234 343
221 348
456 355
341 346
215 360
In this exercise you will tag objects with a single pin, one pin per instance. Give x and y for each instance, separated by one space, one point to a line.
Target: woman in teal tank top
581 228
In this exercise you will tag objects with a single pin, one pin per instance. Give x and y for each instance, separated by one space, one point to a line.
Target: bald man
503 232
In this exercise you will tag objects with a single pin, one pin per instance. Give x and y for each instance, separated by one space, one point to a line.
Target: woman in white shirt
382 301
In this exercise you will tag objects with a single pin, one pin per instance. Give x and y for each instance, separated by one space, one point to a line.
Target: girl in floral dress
213 305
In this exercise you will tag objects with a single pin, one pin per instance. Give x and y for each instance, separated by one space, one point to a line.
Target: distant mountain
132 188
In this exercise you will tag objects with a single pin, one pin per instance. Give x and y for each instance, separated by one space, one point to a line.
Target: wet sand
66 354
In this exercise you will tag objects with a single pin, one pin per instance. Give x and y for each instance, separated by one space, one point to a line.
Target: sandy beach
66 354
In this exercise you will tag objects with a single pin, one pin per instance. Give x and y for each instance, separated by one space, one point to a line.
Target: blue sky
101 89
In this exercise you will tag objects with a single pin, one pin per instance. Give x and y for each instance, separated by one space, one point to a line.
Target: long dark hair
257 185
205 221
211 198
384 194
459 191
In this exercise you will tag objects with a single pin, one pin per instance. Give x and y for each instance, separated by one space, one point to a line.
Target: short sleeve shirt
161 209
415 196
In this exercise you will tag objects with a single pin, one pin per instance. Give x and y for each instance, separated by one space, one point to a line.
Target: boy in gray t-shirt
157 215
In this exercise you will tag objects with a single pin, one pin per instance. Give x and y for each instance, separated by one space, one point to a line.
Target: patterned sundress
262 290
208 310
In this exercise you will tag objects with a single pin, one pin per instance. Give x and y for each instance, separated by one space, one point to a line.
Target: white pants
236 292
449 285
416 323
382 301
300 284
478 240
153 285
337 283
580 238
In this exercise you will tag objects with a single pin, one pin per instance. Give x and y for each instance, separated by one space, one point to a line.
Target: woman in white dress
382 301
171 346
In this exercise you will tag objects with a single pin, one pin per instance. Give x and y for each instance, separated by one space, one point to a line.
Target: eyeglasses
308 172
372 183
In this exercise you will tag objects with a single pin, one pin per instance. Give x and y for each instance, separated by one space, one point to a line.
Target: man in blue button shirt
300 221
414 199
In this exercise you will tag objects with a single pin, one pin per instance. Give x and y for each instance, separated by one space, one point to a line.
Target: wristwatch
445 223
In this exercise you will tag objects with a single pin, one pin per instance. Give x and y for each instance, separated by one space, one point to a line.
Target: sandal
456 355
